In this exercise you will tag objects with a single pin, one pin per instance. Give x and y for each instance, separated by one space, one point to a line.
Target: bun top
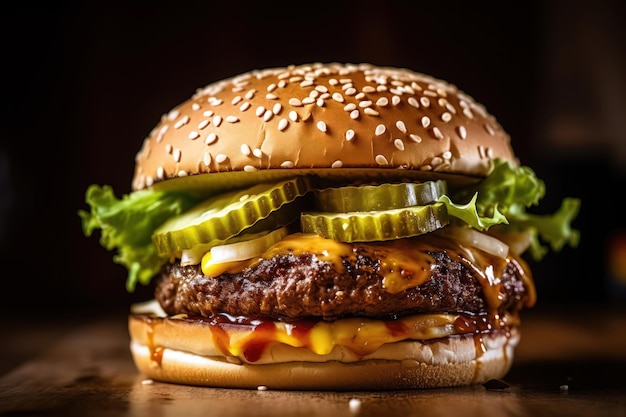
336 116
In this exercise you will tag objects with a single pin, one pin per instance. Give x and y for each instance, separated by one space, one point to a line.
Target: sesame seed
382 101
162 133
181 122
195 107
381 160
245 150
232 119
350 91
413 102
468 113
437 133
236 100
217 120
380 129
149 181
371 112
308 100
245 106
176 155
214 101
211 138
173 114
260 111
425 121
349 107
249 168
446 155
306 83
425 101
462 132
208 113
365 103
160 173
395 100
267 116
446 117
182 173
147 382
250 94
276 109
203 124
401 126
320 102
489 129
271 88
220 157
349 135
261 388
207 159
293 116
287 164
337 164
436 161
257 152
193 135
321 88
322 126
338 97
295 102
282 124
271 96
415 138
399 144
168 148
354 114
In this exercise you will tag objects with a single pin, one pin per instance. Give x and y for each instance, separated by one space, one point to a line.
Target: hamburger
328 227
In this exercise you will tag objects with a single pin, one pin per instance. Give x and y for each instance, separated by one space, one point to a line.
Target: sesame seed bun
181 357
320 117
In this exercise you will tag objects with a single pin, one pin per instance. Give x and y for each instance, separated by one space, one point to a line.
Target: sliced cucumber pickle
376 225
379 197
254 209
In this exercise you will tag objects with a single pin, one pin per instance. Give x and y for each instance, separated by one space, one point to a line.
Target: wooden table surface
571 361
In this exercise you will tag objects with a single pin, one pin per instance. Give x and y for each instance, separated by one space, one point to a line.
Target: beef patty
303 286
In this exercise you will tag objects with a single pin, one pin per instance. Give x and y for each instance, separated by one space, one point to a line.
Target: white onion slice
246 249
478 240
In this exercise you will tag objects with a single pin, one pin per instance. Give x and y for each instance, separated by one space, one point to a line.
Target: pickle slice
379 197
376 225
254 209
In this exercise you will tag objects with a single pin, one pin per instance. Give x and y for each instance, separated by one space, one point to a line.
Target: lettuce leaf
503 199
127 225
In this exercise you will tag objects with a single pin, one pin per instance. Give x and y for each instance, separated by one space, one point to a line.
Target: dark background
83 84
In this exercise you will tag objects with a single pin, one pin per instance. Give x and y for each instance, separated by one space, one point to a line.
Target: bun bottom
462 364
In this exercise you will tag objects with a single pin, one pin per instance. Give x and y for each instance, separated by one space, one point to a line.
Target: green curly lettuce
503 199
127 225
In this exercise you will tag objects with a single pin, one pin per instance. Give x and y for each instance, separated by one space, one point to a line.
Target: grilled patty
303 286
